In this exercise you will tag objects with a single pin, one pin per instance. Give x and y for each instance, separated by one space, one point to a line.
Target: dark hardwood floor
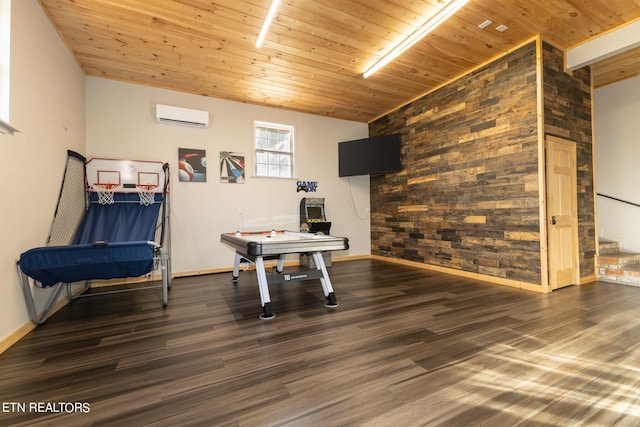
405 347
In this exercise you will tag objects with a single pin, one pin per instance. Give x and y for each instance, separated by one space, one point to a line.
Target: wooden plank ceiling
314 55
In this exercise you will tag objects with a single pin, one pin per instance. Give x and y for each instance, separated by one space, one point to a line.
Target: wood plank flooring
405 347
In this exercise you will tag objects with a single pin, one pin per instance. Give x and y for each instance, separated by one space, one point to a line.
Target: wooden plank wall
568 115
468 195
467 198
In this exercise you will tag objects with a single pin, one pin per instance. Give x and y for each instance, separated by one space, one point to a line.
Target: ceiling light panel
267 22
431 24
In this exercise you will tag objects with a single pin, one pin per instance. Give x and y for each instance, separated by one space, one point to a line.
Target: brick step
619 259
629 275
608 246
618 266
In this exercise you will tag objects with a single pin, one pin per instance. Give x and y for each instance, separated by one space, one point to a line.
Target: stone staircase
617 266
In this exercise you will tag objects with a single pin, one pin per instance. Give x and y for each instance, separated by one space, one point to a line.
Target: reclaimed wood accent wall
567 114
467 197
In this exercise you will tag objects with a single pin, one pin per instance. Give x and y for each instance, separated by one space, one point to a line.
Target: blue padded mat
67 264
126 227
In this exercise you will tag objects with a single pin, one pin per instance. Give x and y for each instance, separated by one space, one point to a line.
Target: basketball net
146 192
105 192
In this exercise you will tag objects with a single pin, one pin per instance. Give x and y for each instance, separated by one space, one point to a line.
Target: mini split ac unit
182 116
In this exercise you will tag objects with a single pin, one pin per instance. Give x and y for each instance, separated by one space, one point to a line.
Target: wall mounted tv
370 155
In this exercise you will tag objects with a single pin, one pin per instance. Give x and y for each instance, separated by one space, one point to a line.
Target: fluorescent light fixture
267 22
431 24
485 24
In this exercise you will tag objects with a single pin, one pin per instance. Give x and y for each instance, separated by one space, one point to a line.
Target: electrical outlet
367 211
240 211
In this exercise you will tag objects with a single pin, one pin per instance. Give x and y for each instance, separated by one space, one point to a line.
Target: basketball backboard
126 174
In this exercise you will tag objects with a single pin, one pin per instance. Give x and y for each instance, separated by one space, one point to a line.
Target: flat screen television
370 155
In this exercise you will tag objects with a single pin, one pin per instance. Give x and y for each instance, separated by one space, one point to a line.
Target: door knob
553 220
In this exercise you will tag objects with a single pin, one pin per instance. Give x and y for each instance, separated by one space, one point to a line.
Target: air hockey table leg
236 268
325 281
280 266
265 299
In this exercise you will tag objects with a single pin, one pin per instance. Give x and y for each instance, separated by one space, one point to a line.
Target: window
5 33
273 150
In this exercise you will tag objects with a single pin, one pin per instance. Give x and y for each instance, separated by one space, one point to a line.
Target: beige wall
57 108
616 109
121 124
47 106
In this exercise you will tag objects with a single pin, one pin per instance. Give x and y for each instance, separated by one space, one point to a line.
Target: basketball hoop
105 192
146 192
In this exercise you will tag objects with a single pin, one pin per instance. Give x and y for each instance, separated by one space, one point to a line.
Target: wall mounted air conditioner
182 116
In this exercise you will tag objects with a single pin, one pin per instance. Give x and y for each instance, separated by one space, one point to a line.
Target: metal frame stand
264 280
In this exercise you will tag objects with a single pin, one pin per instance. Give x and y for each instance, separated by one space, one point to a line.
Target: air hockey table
256 247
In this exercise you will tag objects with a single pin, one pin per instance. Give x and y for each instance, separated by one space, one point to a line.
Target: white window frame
259 153
5 57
